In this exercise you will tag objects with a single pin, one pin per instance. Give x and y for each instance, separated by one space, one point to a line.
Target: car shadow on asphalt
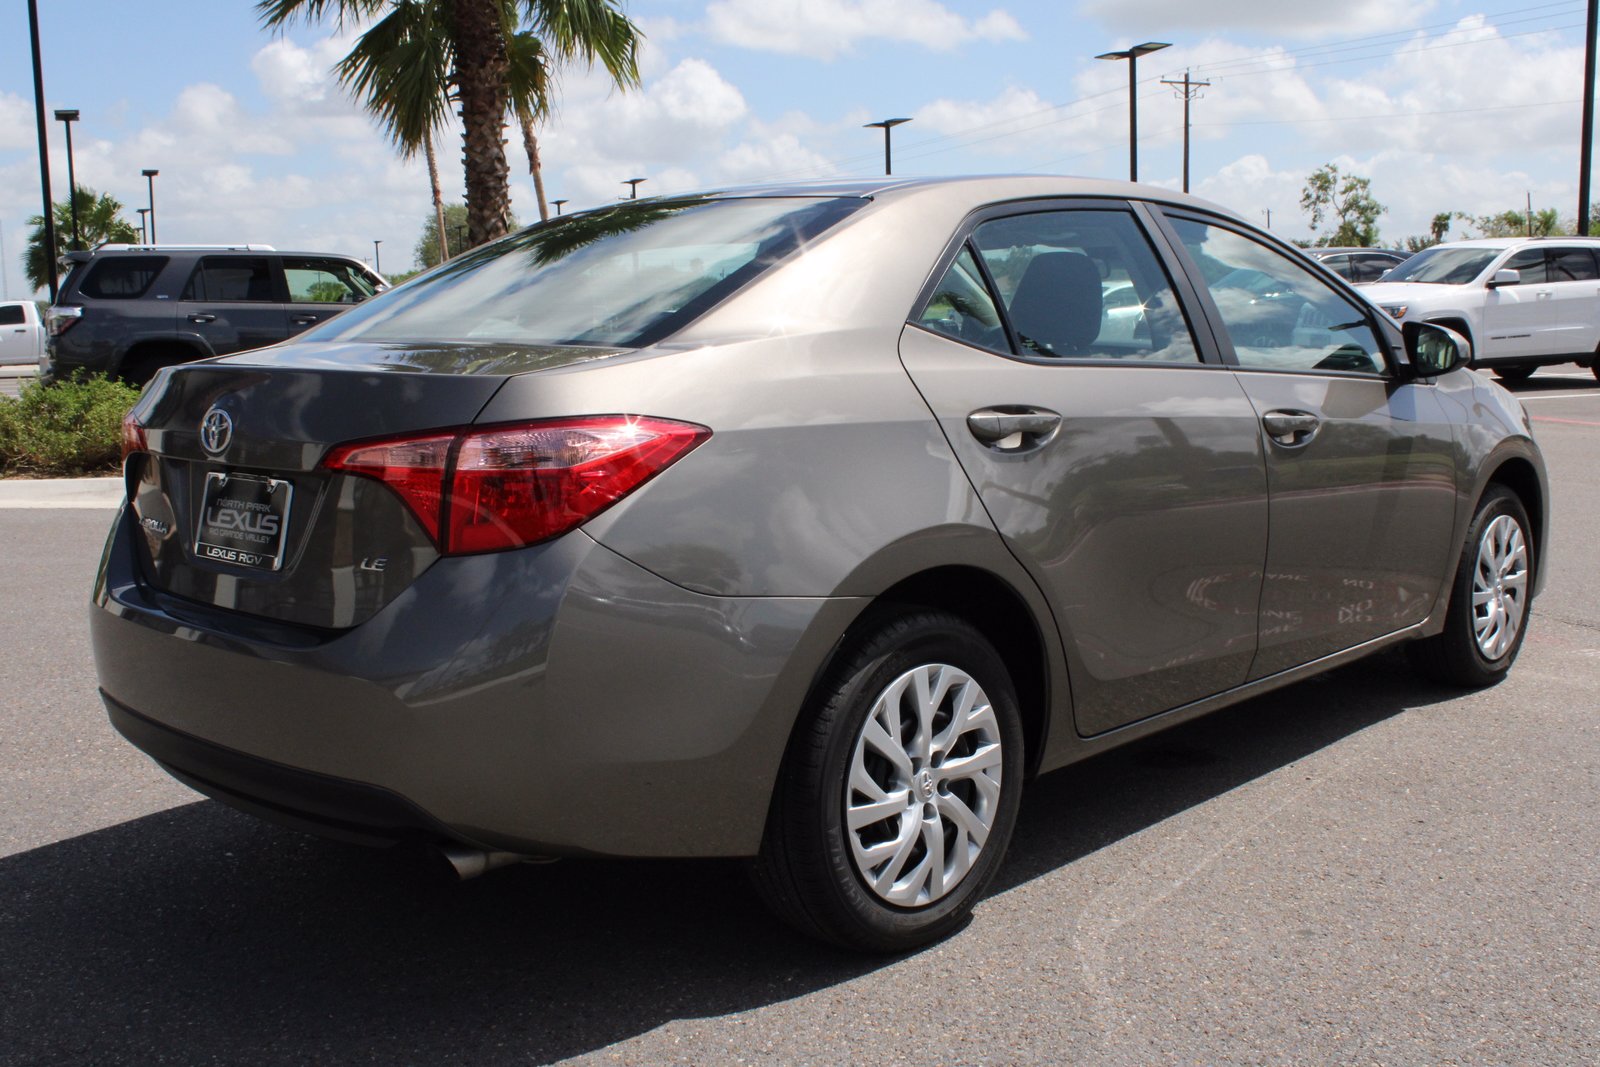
199 935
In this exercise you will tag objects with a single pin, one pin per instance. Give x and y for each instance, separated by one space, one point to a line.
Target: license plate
243 520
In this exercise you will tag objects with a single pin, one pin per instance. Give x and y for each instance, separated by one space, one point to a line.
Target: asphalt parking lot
1361 869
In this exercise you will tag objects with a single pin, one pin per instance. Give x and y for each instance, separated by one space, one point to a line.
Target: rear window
122 278
11 315
623 276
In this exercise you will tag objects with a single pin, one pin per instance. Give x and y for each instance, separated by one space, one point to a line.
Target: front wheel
1489 599
897 798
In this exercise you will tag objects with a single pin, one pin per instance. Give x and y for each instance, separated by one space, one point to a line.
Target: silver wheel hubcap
924 785
1499 587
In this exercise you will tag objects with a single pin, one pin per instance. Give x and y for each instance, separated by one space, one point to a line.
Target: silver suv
1524 303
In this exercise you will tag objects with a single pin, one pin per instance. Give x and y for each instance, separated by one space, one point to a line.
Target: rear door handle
1290 427
302 320
998 426
202 318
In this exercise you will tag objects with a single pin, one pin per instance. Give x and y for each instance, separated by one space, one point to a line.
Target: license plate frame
247 529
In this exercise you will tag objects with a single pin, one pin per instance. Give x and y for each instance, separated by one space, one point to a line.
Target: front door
320 287
1122 470
1360 466
1517 319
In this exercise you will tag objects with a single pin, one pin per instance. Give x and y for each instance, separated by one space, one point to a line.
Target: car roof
1507 242
980 188
1340 250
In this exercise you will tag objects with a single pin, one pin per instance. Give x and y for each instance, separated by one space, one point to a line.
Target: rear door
1360 465
1122 467
320 287
17 335
1574 283
233 303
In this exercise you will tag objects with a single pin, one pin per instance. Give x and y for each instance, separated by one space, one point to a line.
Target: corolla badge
216 431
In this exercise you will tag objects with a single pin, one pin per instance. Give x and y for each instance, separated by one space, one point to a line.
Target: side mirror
1505 277
1435 349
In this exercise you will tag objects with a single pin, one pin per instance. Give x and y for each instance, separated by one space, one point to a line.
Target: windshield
1449 266
623 276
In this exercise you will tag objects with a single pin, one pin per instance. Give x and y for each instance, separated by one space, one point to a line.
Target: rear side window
11 315
1571 265
232 279
122 278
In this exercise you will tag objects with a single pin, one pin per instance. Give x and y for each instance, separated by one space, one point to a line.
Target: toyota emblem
216 431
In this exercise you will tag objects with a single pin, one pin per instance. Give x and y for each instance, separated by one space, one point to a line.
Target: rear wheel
140 366
1489 600
1513 374
898 796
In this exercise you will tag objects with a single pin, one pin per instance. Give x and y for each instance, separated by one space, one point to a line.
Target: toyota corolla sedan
798 523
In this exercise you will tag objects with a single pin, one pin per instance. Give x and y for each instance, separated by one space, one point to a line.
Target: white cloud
1144 17
825 29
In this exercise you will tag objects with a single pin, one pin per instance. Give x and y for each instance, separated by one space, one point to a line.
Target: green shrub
72 427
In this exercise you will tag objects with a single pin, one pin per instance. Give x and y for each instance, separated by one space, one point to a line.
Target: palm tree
401 68
464 53
99 221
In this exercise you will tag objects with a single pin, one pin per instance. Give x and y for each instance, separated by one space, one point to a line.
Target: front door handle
202 318
1290 427
999 426
302 320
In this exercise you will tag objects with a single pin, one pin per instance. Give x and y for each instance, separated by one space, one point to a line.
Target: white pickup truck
22 332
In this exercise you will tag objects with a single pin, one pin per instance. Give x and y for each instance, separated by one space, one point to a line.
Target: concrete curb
61 493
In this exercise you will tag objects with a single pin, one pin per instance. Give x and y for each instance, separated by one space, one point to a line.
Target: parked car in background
1359 265
129 310
797 523
22 332
1524 303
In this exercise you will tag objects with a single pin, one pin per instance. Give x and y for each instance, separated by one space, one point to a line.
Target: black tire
808 871
1514 374
141 367
1454 657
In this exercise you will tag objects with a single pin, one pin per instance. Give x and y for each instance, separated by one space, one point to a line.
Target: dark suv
128 310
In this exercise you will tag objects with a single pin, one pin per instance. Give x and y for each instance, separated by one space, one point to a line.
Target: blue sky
1446 105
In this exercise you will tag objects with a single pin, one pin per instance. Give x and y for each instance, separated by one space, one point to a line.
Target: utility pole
1268 213
1587 148
1189 90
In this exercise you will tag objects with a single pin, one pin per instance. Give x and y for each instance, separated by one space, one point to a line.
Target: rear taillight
60 318
499 487
133 436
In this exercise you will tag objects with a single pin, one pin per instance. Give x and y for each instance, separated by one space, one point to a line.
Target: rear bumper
556 700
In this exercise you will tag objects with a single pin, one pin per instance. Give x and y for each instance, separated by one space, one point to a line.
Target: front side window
1084 284
122 277
623 276
325 281
1529 263
1278 315
232 280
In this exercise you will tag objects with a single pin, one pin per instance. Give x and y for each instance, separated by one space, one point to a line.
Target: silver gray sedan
798 523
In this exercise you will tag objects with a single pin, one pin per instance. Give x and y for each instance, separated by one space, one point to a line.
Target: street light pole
633 186
144 234
44 151
377 264
1587 147
558 204
1132 56
886 125
67 116
150 179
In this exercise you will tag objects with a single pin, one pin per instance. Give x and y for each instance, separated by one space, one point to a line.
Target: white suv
1522 302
